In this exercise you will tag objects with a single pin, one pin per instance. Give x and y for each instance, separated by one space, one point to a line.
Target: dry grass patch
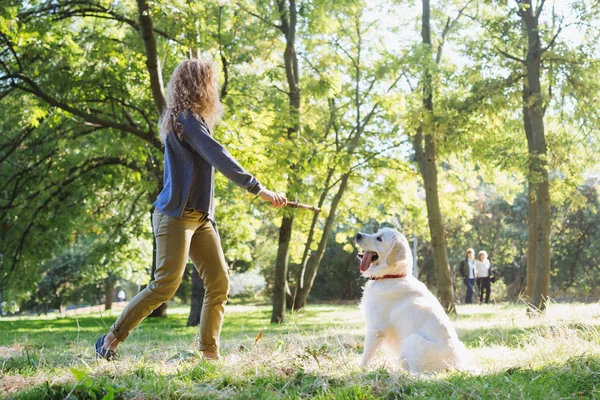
314 355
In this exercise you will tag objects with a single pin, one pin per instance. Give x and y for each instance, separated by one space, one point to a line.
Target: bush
247 285
499 291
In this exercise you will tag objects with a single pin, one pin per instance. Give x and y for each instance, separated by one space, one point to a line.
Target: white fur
402 314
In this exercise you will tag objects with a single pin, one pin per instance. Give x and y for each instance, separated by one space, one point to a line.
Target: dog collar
377 278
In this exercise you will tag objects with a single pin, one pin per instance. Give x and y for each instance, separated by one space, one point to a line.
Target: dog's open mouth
366 258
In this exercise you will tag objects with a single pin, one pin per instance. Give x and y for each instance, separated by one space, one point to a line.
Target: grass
313 355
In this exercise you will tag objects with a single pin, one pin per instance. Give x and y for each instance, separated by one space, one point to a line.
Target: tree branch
11 146
62 11
262 19
223 58
135 108
540 7
410 86
34 89
363 162
152 60
346 52
11 48
19 175
281 90
87 166
510 56
126 219
52 196
310 64
553 40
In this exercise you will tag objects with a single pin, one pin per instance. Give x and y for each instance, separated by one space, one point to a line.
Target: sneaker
101 352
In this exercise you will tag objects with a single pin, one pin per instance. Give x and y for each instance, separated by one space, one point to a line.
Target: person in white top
482 272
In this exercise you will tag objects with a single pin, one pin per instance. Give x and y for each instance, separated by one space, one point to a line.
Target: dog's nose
359 236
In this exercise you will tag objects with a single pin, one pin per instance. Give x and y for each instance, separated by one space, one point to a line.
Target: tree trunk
309 240
288 28
184 295
535 102
315 261
310 264
531 241
158 95
424 145
160 312
109 292
532 208
436 227
542 276
197 299
281 267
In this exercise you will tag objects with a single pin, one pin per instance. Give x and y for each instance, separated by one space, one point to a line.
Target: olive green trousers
194 236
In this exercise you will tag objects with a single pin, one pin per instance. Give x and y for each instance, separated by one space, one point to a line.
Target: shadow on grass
575 378
67 330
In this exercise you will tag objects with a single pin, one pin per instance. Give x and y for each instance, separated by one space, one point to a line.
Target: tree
107 102
533 119
51 195
349 128
425 145
288 15
97 110
80 156
546 58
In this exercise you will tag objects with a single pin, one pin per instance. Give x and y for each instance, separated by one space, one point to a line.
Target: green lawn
313 355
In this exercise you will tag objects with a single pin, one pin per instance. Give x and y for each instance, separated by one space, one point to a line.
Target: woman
183 221
482 270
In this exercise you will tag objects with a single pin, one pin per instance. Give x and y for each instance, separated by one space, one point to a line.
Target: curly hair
193 86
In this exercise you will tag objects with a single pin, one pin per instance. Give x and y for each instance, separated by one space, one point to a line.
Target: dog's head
384 253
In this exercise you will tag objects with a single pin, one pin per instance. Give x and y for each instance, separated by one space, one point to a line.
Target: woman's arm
196 135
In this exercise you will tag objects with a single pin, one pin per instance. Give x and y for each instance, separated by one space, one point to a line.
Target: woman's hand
275 199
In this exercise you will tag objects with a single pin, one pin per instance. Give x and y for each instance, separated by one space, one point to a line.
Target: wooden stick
295 204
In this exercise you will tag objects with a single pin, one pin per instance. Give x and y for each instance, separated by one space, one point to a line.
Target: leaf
110 395
258 337
349 248
79 374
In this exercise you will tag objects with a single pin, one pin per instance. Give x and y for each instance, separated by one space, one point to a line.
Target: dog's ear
396 254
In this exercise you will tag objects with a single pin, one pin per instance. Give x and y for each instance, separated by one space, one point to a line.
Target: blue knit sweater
190 163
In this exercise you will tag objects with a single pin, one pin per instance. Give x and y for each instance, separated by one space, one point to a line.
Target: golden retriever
400 312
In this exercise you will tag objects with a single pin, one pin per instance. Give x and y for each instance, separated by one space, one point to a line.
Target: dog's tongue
366 261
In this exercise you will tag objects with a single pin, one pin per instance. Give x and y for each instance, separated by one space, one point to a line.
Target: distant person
467 272
183 223
482 270
121 296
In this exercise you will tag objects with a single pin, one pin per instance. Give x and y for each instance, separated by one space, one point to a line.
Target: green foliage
26 364
81 163
575 252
